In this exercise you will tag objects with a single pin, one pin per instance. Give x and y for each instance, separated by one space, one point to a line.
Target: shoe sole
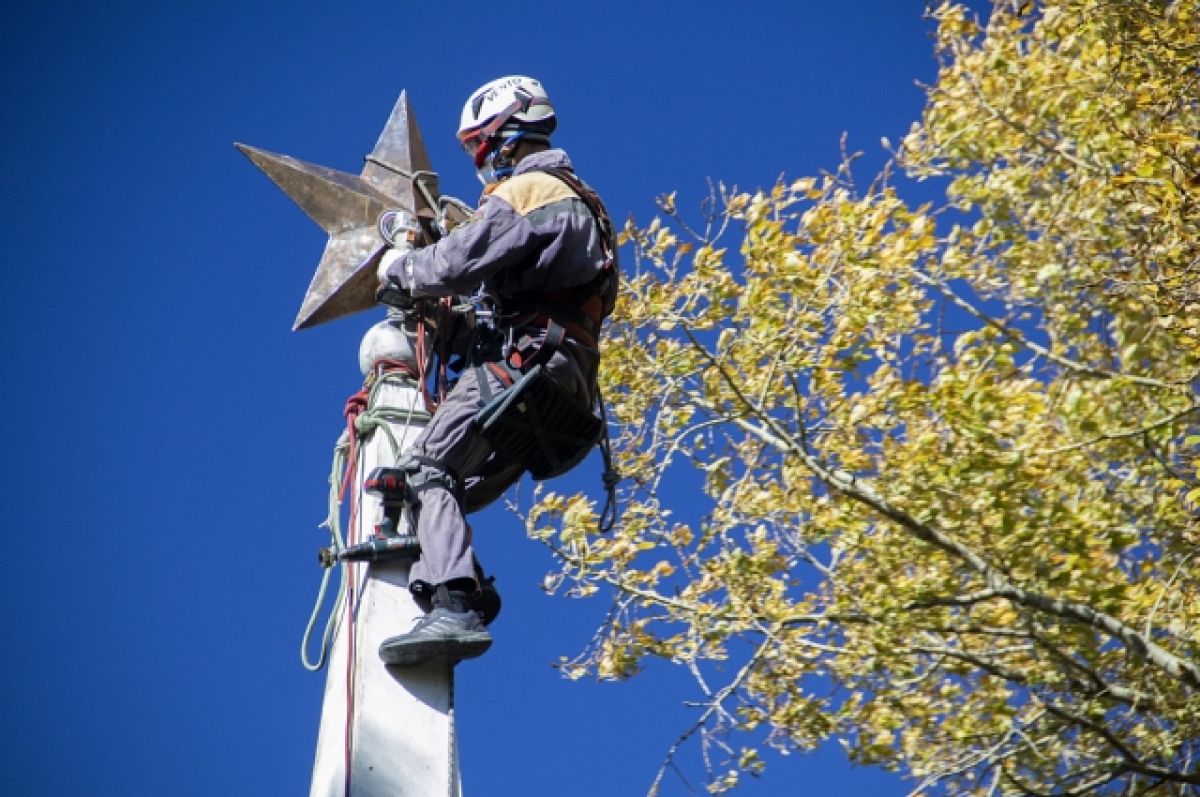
414 654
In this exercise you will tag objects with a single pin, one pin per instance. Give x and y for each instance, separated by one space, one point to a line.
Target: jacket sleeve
470 254
533 233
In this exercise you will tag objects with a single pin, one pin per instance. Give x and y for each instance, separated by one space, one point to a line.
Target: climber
540 250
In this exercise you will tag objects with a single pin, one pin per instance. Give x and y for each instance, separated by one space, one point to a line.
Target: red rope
356 405
351 589
423 364
350 659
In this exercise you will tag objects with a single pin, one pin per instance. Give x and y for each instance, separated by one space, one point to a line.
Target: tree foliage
943 462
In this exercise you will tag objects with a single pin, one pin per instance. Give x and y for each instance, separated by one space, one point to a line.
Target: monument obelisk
383 731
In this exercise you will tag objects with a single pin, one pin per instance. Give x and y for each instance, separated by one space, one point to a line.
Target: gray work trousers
453 441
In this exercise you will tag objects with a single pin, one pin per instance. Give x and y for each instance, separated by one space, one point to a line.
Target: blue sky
167 438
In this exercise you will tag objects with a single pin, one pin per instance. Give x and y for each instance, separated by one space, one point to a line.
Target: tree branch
1124 433
954 600
849 485
1100 688
1017 337
713 705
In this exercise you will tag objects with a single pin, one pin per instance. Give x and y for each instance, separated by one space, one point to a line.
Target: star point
397 174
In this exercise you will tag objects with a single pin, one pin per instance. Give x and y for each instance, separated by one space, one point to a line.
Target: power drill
391 486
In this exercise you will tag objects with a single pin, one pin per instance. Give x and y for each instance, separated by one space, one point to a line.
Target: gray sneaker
442 632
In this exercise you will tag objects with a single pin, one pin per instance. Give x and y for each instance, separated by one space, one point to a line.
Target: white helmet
512 102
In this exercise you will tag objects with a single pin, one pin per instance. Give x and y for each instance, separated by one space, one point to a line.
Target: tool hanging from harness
539 424
534 419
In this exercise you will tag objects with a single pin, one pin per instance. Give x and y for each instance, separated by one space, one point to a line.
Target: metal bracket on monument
397 174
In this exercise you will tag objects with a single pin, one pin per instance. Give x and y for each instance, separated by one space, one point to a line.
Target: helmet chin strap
498 164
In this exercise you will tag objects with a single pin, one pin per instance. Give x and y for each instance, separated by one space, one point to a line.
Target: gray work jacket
531 235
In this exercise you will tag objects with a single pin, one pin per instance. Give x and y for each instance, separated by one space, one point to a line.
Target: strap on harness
576 312
533 419
425 472
594 204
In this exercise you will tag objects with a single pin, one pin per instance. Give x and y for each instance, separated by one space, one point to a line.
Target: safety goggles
478 146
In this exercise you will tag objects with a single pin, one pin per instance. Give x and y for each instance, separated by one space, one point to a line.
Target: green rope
333 522
374 418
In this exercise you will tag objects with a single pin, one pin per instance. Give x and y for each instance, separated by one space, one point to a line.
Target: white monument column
384 732
393 726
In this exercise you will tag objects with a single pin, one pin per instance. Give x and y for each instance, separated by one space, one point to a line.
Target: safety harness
575 312
534 419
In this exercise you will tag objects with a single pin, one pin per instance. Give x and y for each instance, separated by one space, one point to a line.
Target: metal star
397 174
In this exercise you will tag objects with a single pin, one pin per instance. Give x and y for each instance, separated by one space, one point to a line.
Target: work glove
393 295
400 229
